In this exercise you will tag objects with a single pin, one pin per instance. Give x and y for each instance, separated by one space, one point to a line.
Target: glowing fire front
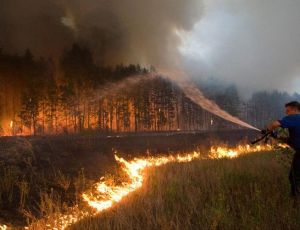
105 194
221 152
112 194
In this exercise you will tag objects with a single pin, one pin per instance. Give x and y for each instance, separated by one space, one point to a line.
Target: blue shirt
292 123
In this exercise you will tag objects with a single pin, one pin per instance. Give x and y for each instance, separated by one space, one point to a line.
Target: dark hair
294 104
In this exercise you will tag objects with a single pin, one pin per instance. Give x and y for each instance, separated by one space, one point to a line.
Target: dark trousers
294 176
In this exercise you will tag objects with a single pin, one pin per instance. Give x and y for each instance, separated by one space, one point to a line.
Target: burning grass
138 176
248 192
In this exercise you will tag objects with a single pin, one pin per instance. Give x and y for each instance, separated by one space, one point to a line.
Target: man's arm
273 125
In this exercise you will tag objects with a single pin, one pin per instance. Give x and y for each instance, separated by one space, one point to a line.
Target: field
248 192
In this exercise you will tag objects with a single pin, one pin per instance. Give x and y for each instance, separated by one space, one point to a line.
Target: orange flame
104 195
112 194
223 152
283 145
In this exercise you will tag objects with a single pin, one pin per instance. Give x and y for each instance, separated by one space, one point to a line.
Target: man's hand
273 125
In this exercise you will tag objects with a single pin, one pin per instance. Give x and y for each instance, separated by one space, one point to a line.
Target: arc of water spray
186 85
194 93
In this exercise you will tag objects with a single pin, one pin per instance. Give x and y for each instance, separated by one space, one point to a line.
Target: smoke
254 44
127 31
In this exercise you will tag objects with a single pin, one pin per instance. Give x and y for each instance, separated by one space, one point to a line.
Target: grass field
40 176
249 192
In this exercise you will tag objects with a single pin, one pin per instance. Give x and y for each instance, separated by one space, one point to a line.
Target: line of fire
149 114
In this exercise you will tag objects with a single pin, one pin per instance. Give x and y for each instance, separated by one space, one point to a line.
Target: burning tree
39 97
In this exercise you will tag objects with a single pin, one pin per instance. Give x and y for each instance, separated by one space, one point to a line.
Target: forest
40 96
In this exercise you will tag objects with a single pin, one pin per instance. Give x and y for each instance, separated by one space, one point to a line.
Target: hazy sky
253 43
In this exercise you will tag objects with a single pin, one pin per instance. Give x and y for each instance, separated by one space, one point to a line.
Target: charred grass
41 179
250 192
40 175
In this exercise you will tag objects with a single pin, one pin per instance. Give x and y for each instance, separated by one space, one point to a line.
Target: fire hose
265 137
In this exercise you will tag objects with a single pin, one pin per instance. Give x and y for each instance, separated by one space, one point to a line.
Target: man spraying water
292 123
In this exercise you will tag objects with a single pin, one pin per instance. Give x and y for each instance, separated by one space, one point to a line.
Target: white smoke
252 43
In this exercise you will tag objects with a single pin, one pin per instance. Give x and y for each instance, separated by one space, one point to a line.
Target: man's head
292 107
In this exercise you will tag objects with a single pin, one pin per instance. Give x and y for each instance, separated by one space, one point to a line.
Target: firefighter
291 122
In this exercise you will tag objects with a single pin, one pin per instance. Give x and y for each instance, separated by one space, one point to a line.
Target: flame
223 152
283 145
104 195
110 195
3 227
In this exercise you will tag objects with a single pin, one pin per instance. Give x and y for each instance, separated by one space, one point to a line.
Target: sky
252 43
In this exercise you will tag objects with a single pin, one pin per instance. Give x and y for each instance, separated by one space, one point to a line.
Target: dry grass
28 194
250 192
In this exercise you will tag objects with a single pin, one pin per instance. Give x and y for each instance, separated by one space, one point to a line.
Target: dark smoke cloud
32 24
253 43
127 31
